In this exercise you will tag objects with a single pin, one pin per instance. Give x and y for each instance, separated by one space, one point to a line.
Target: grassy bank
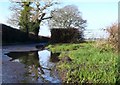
86 63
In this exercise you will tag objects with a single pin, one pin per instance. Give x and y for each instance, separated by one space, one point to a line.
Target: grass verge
86 63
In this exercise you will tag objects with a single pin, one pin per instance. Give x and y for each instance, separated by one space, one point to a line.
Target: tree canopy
24 19
29 15
67 17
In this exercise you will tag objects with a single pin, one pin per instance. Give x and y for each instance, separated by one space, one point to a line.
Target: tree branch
46 18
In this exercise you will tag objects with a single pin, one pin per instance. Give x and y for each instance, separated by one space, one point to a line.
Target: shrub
114 41
113 35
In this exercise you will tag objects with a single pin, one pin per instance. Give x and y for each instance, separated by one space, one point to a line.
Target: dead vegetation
113 35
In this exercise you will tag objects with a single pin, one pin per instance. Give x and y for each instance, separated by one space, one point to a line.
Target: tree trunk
36 31
27 31
37 23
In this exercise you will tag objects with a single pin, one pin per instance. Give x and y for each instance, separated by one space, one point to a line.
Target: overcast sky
98 13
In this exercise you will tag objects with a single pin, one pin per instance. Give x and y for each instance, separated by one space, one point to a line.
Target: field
86 63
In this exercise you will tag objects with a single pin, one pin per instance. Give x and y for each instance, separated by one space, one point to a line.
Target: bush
113 35
66 35
114 41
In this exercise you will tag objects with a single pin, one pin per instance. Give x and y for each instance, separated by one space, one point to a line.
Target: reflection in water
44 57
39 64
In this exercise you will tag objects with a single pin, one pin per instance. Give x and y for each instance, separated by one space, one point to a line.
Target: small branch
42 16
47 18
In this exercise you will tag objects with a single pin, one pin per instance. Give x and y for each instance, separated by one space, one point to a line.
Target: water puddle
39 65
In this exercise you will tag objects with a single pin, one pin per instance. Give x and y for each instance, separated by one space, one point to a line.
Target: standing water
30 67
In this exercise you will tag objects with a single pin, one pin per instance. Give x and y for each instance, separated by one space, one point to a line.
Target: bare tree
16 9
67 17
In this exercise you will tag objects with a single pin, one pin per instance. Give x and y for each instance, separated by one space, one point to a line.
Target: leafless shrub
113 35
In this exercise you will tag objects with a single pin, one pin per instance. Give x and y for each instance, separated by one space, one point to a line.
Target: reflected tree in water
31 61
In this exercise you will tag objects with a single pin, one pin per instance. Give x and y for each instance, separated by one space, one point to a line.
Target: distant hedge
66 35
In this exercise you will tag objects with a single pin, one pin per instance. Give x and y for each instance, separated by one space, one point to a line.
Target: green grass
89 64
